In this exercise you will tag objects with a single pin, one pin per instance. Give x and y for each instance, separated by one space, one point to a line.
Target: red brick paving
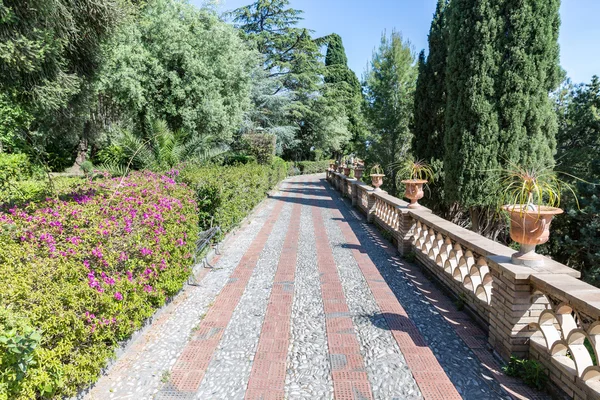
189 370
427 371
349 379
267 379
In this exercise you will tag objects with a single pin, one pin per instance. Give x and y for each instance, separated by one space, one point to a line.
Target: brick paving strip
427 371
189 370
267 379
350 379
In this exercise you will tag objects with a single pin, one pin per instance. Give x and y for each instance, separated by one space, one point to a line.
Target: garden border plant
85 271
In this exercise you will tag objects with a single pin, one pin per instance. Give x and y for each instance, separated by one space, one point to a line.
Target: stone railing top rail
582 296
391 199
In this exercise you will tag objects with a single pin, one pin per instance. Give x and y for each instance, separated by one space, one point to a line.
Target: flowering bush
85 271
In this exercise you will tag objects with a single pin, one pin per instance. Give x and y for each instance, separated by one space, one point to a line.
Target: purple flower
145 251
148 288
118 296
96 251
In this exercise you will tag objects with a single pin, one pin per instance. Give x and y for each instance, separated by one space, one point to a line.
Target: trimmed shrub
13 167
313 167
84 272
260 146
226 194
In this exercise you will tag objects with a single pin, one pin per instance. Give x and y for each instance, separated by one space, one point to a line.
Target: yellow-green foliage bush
84 272
226 194
312 167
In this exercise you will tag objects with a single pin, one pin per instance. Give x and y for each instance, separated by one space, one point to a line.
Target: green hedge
313 167
226 194
80 274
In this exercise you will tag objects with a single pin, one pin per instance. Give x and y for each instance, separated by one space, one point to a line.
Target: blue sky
360 24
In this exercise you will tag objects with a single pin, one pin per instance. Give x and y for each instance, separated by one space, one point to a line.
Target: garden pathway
308 301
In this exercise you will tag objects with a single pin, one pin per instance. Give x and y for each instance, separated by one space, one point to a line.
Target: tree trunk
475 222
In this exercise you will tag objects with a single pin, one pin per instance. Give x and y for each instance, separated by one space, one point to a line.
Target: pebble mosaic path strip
310 303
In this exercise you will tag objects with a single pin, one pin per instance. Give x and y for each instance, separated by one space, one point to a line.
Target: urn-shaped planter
347 170
332 166
358 172
377 180
340 169
414 191
530 226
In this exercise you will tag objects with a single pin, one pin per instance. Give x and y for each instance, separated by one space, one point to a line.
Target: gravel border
309 371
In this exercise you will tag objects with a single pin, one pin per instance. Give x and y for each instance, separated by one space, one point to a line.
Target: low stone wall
545 313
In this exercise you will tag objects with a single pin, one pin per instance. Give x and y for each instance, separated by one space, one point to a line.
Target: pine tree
390 86
290 54
472 132
529 71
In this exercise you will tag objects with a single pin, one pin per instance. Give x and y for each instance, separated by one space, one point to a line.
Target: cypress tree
472 132
343 86
336 54
422 113
529 71
430 94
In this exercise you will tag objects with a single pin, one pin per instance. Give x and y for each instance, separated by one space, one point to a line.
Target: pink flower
145 251
118 296
97 252
148 288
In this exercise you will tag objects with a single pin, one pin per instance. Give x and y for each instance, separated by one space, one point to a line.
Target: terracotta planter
347 171
414 191
530 228
332 166
340 169
377 180
358 172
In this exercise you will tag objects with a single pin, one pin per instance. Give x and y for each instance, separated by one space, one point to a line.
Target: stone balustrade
544 313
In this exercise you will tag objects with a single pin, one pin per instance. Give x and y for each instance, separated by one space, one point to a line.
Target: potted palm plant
531 198
417 174
347 168
377 176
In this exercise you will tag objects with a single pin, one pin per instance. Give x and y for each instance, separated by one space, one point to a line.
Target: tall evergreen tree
290 54
336 54
502 64
430 93
529 71
390 86
430 106
472 132
342 85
